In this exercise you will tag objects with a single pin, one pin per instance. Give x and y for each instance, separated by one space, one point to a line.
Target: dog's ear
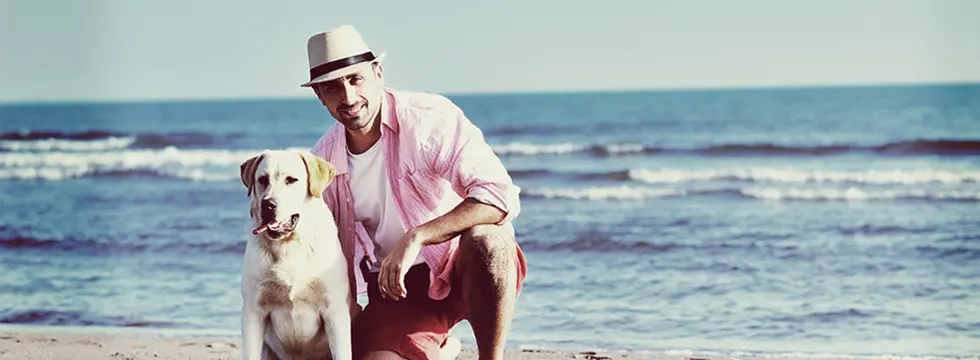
319 173
248 172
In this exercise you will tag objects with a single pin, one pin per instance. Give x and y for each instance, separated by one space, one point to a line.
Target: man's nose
350 94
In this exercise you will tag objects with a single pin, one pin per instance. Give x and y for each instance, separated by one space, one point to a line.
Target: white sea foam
108 143
199 165
525 148
857 194
605 193
625 192
799 176
623 148
522 148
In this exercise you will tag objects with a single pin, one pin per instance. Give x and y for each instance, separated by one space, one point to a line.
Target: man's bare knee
382 355
488 248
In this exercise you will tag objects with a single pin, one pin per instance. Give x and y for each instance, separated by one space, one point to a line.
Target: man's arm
459 154
476 173
467 214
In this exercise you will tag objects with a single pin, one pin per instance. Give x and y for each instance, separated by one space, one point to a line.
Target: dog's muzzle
275 229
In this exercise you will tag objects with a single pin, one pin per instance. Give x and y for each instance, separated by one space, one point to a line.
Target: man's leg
487 262
448 351
404 329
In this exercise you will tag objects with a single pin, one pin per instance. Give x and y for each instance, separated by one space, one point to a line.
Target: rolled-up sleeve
474 170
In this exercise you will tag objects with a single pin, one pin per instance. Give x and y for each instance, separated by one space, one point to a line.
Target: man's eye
290 180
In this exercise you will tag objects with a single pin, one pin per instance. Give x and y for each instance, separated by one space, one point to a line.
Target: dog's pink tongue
260 229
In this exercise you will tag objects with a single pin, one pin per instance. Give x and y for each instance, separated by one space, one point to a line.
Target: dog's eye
264 180
290 180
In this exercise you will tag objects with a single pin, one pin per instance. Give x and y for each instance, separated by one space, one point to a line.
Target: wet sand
55 345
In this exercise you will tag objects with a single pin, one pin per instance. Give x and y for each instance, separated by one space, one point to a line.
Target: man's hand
391 278
469 213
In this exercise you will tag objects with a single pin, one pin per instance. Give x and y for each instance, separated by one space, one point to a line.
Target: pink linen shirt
434 158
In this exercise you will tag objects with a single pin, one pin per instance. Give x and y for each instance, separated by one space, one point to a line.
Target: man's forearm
467 214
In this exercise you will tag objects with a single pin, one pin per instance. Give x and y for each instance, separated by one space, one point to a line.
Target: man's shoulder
327 140
424 111
421 101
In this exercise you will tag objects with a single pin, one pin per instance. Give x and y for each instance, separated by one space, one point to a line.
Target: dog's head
281 183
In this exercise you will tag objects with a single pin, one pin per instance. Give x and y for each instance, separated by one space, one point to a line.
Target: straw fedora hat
336 53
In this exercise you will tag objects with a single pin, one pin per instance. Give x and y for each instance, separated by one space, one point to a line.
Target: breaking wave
196 164
797 176
103 140
899 148
767 175
625 192
89 246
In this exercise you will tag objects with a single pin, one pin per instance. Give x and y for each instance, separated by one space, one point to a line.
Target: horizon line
492 93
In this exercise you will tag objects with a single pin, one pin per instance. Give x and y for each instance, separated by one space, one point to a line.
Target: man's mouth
277 228
352 111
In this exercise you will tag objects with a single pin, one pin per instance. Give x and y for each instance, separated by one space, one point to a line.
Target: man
423 205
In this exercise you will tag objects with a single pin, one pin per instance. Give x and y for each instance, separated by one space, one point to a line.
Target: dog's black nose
268 205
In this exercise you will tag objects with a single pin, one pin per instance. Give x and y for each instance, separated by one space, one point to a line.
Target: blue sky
179 49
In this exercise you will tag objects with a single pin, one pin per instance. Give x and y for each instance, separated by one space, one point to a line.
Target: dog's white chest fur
297 286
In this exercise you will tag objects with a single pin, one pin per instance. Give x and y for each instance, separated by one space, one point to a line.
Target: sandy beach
37 346
67 346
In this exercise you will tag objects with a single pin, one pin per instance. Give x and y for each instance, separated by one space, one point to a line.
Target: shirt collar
388 117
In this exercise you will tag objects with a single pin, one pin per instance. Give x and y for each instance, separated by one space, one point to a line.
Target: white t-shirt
374 205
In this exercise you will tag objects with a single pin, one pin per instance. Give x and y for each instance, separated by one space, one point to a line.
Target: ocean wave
625 192
524 148
45 135
618 240
57 174
89 246
103 140
763 175
945 253
204 165
857 194
868 229
596 241
798 176
899 148
63 318
604 193
109 143
825 316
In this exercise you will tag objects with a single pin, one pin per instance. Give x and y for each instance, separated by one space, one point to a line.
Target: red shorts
414 327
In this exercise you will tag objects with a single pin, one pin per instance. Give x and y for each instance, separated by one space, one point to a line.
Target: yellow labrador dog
295 302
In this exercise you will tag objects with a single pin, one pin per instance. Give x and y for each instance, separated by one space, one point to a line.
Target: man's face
354 100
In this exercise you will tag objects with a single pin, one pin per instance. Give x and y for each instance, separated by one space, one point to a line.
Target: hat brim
344 71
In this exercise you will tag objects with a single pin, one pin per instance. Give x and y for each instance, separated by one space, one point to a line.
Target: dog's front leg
253 331
338 325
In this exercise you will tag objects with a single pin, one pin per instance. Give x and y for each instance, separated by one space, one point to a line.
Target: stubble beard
361 123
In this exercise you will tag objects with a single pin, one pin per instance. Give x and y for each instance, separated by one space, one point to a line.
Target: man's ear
248 172
319 173
378 70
